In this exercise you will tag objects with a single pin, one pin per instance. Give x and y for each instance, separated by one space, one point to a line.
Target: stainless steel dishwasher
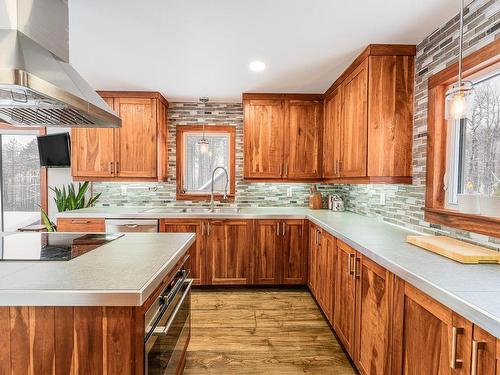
126 225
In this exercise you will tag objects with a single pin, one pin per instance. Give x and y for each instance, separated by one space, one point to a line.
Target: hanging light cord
460 43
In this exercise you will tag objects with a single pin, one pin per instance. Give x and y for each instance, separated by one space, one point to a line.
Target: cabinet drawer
80 225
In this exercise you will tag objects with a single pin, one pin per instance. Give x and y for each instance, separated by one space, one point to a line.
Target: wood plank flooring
261 332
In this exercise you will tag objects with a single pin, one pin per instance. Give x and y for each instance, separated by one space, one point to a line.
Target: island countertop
123 272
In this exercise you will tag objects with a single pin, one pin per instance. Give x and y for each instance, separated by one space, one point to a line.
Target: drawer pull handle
455 363
350 267
357 268
476 346
80 221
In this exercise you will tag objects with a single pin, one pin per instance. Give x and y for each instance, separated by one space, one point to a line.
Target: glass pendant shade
203 144
458 101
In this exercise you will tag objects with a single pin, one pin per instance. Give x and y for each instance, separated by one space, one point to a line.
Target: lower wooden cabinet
229 251
345 296
373 326
196 254
80 225
484 353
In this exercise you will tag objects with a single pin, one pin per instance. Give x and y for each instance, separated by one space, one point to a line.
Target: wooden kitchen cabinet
280 256
282 136
332 134
229 251
484 353
91 225
373 328
345 296
373 120
303 139
322 261
135 152
197 263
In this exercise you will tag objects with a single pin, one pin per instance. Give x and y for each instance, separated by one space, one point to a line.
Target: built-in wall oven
168 327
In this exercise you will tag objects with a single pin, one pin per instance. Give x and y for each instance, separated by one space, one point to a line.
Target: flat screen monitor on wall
54 150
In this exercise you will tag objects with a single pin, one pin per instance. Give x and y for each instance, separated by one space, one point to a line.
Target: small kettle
335 203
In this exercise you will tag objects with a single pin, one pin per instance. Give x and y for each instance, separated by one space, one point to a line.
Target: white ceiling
191 48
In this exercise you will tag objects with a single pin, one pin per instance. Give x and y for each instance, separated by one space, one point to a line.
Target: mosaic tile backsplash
403 203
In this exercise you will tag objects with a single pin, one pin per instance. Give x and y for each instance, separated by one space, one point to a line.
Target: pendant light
203 143
457 103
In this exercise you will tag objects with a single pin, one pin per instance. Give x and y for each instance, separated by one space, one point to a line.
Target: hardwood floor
261 331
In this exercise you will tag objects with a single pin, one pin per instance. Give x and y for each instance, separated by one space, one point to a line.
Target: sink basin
220 210
165 210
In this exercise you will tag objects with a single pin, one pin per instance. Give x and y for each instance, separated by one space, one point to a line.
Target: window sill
489 226
203 197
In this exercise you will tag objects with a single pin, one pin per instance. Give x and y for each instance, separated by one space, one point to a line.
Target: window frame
480 62
181 130
44 194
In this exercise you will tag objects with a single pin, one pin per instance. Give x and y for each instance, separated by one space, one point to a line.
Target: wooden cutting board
457 250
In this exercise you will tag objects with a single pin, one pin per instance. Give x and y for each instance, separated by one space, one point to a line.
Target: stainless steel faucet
212 205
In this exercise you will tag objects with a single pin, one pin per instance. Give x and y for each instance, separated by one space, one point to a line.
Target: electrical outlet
123 190
382 198
289 192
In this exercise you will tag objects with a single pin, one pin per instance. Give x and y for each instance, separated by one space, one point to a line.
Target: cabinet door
325 271
345 300
422 333
81 225
266 261
303 137
390 116
294 257
313 258
374 286
263 138
483 353
231 247
93 151
332 134
135 141
354 127
196 256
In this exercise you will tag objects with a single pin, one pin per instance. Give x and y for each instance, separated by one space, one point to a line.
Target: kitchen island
90 314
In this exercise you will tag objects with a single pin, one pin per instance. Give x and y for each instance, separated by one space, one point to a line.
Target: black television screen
54 150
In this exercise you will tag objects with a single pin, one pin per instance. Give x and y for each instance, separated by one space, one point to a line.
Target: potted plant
68 199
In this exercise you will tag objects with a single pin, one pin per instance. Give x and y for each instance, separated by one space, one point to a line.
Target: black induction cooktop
50 246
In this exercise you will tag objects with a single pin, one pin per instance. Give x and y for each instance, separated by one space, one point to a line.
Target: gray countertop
123 272
473 291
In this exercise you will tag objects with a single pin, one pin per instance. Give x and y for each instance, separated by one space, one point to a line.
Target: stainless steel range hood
37 87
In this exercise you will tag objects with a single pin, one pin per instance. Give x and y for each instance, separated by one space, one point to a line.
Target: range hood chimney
38 87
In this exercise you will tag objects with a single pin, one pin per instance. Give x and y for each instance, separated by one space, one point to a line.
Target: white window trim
184 167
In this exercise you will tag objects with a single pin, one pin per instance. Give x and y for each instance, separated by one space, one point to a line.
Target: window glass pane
20 181
199 166
480 140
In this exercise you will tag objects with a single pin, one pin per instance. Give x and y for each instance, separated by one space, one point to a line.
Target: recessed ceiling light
257 66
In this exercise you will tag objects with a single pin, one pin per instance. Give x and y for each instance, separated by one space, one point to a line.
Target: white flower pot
468 203
490 206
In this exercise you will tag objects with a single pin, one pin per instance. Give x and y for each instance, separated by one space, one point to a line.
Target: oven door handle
178 306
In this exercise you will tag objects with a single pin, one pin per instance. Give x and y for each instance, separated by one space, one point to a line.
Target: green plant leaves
69 199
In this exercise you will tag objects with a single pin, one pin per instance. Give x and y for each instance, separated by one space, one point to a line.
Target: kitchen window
474 144
195 166
463 157
20 179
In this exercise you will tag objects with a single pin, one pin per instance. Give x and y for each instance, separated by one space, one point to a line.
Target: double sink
195 210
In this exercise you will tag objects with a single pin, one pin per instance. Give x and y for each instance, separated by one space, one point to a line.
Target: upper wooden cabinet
282 136
370 110
135 152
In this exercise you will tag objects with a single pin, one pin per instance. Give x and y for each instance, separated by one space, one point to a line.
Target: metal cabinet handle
278 228
286 169
283 229
455 363
202 228
340 166
208 229
350 268
116 168
80 221
319 237
281 169
476 346
357 268
110 168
